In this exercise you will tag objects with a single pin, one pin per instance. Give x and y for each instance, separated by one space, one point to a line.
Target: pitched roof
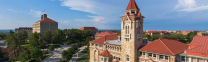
91 28
46 20
107 32
103 39
105 53
199 44
165 46
132 5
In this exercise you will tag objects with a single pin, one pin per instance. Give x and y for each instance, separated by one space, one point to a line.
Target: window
127 57
96 44
101 45
182 58
143 53
49 23
133 12
102 59
119 58
105 59
154 55
114 57
161 57
150 54
140 53
166 57
92 44
187 59
49 26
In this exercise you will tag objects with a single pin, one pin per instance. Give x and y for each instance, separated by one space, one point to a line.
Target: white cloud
35 13
95 19
189 5
9 9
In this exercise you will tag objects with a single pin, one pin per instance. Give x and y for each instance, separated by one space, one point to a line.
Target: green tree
36 53
14 42
35 40
11 32
1 54
58 37
48 37
24 35
24 56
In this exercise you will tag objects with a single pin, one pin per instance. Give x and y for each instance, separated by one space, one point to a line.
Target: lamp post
203 56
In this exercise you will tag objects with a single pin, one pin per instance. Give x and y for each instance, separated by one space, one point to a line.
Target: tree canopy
48 37
35 40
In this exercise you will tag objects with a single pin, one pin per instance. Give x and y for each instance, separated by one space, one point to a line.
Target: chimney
119 38
43 16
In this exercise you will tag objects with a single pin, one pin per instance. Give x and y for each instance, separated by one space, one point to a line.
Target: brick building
45 24
21 29
101 34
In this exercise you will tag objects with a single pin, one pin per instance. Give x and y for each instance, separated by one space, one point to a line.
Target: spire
132 5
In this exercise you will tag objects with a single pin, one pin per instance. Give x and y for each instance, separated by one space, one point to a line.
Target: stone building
101 34
131 47
21 29
45 24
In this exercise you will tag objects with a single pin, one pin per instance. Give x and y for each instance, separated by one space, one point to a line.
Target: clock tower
131 32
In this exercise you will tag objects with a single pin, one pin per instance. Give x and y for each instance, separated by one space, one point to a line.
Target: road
57 54
2 45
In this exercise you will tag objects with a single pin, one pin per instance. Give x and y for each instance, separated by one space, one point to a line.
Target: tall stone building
45 24
131 47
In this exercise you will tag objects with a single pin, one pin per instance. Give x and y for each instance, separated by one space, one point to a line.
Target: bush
52 47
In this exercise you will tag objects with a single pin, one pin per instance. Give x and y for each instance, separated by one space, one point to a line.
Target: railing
127 36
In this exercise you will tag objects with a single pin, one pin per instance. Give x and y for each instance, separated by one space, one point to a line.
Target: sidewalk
75 58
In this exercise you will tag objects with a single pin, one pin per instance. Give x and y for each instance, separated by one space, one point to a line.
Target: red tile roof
199 44
165 46
107 32
103 39
46 20
105 53
132 5
157 32
91 28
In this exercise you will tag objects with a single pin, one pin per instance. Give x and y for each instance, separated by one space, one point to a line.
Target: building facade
101 34
130 45
21 29
45 24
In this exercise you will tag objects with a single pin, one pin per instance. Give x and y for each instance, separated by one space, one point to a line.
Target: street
57 54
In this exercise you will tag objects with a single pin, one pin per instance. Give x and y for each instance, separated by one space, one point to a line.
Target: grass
25 45
84 59
84 52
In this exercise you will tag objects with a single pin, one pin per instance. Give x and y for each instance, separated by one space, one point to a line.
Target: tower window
127 57
132 11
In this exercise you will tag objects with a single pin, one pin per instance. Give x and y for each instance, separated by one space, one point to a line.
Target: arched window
127 57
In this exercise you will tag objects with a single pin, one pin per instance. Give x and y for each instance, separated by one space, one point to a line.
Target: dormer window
133 11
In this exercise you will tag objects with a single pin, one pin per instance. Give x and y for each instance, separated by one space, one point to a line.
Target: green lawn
25 45
84 59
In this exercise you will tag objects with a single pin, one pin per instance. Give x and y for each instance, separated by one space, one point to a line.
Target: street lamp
203 56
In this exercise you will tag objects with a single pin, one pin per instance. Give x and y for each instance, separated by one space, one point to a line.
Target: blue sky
104 14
